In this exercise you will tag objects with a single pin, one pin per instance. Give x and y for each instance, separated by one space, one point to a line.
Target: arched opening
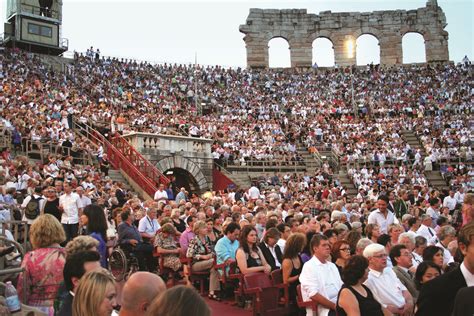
182 178
367 50
323 52
413 45
279 53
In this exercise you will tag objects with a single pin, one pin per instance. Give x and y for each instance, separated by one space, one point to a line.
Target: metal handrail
36 10
129 160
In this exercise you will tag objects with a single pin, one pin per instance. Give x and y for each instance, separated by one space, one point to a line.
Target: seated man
76 266
384 284
130 240
271 251
402 262
320 279
227 246
139 291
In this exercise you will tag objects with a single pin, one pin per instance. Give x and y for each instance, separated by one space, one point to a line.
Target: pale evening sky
175 31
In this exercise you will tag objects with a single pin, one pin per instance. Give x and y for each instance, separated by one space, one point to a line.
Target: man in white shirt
71 206
446 234
254 193
40 203
425 229
384 284
320 279
433 209
161 194
450 201
148 226
459 196
382 216
85 200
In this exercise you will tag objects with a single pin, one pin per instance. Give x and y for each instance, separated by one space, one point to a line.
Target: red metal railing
124 157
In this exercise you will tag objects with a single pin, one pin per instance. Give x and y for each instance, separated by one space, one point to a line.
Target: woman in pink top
44 265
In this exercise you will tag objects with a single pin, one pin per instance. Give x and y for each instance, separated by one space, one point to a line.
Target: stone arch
365 42
179 162
417 43
279 54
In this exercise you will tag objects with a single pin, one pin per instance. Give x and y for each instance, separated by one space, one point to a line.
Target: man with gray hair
446 234
361 244
408 239
425 229
384 284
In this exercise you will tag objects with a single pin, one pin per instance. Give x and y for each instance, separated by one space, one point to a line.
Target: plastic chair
302 304
264 294
277 280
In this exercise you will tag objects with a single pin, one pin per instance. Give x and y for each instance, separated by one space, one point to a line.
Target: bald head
139 291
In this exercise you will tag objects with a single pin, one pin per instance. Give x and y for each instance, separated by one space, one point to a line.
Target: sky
179 31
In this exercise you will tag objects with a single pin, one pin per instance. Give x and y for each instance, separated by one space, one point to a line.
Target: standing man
71 206
382 216
148 226
320 279
161 194
438 295
450 202
85 200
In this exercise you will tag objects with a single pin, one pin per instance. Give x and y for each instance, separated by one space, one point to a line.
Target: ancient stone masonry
300 29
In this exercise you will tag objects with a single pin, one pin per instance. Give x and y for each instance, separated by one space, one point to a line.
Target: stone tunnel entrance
182 178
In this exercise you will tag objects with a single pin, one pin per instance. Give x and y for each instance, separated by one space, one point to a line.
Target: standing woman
291 268
93 218
51 205
95 295
43 267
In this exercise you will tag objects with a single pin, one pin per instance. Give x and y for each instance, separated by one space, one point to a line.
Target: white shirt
71 204
320 278
254 193
272 251
161 195
427 232
148 225
449 202
416 259
376 217
85 200
386 287
281 242
447 257
434 214
459 197
468 276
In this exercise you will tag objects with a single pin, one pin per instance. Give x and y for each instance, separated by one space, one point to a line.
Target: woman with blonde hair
81 243
202 257
43 267
95 295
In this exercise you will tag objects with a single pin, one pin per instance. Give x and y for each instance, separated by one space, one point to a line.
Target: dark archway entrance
182 178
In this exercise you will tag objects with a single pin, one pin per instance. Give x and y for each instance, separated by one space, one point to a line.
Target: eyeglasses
381 256
345 249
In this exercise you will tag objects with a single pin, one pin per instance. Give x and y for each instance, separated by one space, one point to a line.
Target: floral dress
170 260
43 275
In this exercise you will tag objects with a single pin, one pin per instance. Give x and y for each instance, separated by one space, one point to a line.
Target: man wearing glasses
384 284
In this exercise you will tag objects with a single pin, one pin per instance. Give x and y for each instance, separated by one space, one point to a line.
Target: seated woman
354 297
249 257
426 271
434 254
340 254
199 250
166 245
178 223
44 265
291 268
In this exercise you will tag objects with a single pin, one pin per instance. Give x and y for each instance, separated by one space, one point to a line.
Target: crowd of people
371 254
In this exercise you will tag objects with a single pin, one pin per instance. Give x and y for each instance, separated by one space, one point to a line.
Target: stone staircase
435 179
345 181
413 141
241 179
310 161
116 175
57 63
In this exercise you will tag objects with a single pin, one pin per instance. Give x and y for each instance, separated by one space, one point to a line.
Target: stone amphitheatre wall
300 29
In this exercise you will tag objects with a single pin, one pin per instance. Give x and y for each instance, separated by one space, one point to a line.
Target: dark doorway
182 178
